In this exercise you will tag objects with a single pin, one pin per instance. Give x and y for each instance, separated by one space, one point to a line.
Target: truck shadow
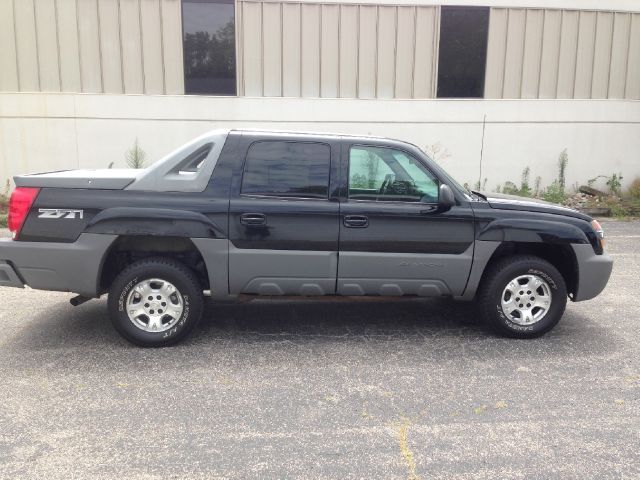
436 325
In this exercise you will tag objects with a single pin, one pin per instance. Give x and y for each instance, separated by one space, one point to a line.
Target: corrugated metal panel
47 38
69 47
131 35
602 55
619 55
252 48
172 47
8 65
514 54
567 59
387 36
89 41
111 59
348 51
426 52
291 45
632 89
152 46
368 51
405 52
532 53
550 54
496 49
26 46
272 49
329 54
584 58
310 54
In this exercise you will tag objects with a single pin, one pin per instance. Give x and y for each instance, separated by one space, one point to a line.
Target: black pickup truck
243 212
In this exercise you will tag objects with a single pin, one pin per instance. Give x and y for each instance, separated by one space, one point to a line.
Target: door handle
253 219
356 221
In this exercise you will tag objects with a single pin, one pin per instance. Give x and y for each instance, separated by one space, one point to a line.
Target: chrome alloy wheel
526 299
154 305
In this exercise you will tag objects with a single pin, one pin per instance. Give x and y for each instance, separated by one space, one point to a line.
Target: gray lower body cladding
593 272
65 267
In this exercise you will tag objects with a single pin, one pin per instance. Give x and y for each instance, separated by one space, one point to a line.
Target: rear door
393 238
283 222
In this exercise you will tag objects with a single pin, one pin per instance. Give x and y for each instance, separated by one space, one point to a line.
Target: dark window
388 175
287 169
209 43
463 51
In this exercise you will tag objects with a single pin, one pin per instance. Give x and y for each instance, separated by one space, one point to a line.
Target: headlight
599 232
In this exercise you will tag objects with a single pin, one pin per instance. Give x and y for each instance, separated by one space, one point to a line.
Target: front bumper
64 267
593 272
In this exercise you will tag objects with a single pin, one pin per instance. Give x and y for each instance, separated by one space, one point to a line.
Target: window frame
286 197
392 202
235 48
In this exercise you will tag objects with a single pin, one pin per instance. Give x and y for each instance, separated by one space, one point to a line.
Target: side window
287 169
385 174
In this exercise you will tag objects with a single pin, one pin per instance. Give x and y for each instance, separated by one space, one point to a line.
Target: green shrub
614 182
510 188
3 221
554 193
136 156
634 188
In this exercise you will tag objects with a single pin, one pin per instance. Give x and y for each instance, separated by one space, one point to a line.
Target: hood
514 202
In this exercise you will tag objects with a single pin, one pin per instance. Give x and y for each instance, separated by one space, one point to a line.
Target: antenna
484 124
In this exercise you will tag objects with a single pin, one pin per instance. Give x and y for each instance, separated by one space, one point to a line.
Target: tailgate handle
356 221
253 219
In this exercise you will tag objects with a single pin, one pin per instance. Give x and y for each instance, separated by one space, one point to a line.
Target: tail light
19 205
599 232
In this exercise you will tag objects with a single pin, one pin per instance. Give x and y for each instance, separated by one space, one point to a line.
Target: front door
393 238
283 226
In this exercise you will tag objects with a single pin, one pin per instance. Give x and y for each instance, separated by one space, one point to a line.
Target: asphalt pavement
315 390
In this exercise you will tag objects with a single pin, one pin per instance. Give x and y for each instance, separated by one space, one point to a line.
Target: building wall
333 50
547 53
91 46
316 49
44 132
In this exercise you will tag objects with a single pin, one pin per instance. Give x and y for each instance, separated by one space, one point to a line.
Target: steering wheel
385 184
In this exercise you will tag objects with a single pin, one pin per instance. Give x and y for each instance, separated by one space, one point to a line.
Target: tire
155 302
500 299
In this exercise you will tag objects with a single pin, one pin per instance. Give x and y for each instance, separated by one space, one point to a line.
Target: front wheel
522 296
155 302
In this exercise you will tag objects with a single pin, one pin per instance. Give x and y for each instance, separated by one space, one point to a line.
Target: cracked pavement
302 389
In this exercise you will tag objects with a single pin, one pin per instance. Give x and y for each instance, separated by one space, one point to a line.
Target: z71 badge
60 213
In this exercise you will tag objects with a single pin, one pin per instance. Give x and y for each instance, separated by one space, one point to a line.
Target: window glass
209 46
385 174
287 169
463 51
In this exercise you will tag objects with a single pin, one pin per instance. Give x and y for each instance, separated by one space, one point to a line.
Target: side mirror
446 198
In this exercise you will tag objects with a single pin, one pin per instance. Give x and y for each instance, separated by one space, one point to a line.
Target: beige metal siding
336 50
47 38
26 46
94 46
8 62
547 53
110 54
69 47
632 89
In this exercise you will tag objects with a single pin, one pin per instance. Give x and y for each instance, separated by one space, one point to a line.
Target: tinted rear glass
287 169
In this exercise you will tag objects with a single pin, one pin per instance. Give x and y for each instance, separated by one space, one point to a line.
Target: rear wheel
522 296
155 302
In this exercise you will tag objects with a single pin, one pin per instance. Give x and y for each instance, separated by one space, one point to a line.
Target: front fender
532 231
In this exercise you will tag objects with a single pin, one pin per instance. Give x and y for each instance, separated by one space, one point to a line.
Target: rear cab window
277 168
